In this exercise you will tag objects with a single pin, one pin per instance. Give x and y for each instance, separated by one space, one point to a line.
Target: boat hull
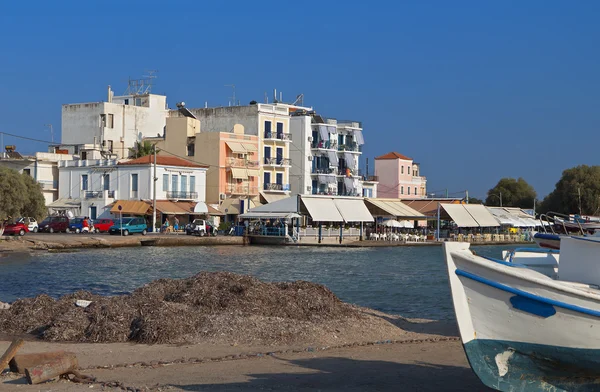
519 327
547 241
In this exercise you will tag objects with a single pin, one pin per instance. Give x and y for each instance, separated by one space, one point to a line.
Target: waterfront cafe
393 209
321 209
465 216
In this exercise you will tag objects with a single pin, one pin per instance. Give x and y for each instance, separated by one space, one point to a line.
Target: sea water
410 281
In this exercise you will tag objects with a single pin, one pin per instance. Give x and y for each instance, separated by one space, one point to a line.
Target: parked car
31 223
103 225
19 228
200 227
55 224
77 226
129 226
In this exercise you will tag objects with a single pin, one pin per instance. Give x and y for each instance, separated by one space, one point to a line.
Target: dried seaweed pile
216 306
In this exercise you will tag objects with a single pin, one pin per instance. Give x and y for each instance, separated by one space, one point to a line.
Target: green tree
474 200
514 193
35 203
141 149
13 193
581 182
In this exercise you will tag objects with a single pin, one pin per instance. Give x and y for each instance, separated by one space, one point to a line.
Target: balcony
241 189
324 145
350 147
239 162
326 170
276 187
48 184
278 162
367 178
182 195
285 137
99 194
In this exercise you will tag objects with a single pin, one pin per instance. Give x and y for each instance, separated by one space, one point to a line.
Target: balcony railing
278 161
182 195
241 189
276 187
239 162
325 145
99 194
278 136
364 177
48 184
352 147
326 170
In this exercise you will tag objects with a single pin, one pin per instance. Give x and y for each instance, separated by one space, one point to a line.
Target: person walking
176 224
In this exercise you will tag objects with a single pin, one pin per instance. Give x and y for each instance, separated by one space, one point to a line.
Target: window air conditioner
221 196
309 188
310 139
310 157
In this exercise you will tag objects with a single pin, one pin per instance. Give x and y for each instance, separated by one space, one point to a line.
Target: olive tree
511 193
577 191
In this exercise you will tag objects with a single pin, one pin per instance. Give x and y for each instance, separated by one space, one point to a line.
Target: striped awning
236 148
241 174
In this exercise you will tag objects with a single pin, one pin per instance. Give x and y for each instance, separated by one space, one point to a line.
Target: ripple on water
411 281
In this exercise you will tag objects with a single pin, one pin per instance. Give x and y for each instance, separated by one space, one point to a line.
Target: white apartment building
326 154
114 125
43 167
94 187
271 123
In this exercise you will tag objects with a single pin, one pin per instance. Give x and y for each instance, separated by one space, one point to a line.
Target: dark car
103 225
54 224
16 228
128 226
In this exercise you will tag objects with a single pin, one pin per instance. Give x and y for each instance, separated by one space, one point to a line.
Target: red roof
394 155
161 160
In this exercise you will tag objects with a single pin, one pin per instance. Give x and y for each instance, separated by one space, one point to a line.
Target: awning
333 158
249 147
271 198
392 207
349 182
481 215
460 215
326 179
168 207
322 209
253 172
65 203
236 147
269 215
324 132
358 136
230 206
201 208
353 210
349 157
131 207
239 173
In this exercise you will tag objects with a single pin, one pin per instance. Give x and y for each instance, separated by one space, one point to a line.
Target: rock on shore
217 307
4 306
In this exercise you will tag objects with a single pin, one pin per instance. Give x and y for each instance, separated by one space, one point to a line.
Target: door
93 213
279 155
267 154
267 180
279 178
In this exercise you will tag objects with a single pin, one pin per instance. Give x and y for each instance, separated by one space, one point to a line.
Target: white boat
521 329
541 260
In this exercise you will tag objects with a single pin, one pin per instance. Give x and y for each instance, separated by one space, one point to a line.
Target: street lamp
498 196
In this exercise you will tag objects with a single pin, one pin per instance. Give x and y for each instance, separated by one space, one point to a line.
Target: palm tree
141 149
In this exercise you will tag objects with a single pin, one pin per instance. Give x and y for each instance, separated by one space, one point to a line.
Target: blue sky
473 90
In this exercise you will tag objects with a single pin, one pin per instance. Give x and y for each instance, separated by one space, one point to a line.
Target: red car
102 225
16 228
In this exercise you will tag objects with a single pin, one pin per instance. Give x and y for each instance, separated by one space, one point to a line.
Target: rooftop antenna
233 97
266 98
299 100
141 86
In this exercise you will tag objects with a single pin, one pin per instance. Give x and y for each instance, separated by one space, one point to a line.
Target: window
408 168
267 154
110 145
126 101
192 183
102 120
191 150
134 182
279 130
165 182
267 178
279 155
27 171
415 191
83 155
84 182
401 169
111 121
401 190
267 129
408 190
340 140
279 178
106 181
174 183
184 183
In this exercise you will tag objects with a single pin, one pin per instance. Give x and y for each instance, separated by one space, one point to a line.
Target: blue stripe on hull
535 367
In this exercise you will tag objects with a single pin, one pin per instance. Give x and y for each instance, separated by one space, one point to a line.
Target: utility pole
154 190
51 132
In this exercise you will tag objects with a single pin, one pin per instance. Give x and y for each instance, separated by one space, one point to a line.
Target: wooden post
22 361
10 353
51 369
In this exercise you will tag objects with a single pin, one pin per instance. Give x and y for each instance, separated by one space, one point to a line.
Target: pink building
399 177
